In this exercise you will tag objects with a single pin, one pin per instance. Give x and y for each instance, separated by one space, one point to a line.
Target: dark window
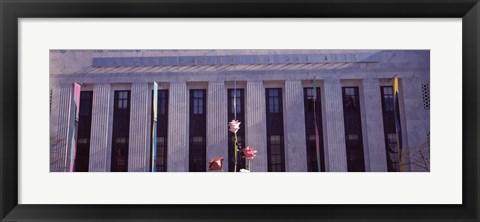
84 126
240 98
273 98
121 124
309 104
389 129
275 141
198 131
353 130
198 101
162 131
161 154
387 98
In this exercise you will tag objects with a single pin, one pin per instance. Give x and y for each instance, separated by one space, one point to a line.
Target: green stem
249 165
236 153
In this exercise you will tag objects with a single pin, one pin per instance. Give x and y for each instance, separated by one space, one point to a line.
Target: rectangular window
240 98
387 98
353 130
84 126
198 101
273 98
309 104
120 134
389 129
198 131
275 140
162 131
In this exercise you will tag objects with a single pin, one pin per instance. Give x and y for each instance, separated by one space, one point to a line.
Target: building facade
287 101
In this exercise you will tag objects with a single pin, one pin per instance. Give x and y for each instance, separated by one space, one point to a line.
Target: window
120 134
393 157
275 140
350 99
389 129
198 102
198 129
122 100
162 131
161 155
83 137
353 130
273 100
387 97
309 104
240 98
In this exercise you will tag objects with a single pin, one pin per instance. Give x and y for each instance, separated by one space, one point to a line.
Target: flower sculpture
216 164
234 126
249 153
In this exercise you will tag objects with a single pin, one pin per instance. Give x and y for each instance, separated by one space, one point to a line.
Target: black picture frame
11 11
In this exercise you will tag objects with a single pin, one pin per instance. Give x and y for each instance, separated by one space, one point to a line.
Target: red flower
216 163
249 153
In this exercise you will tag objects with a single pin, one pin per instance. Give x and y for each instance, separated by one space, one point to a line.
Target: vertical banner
317 138
398 128
154 124
76 100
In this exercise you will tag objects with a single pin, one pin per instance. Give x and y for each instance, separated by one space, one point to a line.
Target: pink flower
234 126
216 163
249 153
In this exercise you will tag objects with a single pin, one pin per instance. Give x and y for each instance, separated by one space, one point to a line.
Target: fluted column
256 128
217 122
60 138
177 143
374 133
100 127
139 139
295 144
336 154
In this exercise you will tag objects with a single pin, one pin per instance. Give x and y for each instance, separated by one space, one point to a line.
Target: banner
76 100
398 127
154 124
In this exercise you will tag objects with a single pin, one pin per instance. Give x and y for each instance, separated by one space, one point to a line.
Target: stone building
274 92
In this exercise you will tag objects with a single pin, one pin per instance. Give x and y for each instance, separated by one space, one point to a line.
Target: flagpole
235 98
235 145
317 143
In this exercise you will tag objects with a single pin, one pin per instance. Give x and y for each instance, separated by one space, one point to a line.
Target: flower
234 126
249 153
244 171
216 163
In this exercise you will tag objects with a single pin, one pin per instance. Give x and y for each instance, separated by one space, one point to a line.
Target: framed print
324 110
